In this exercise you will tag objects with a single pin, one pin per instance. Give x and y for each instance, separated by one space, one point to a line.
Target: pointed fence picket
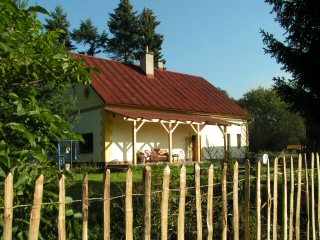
235 202
85 207
36 209
106 206
62 209
8 204
258 201
182 203
147 202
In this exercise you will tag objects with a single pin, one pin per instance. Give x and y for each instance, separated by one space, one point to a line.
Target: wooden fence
291 209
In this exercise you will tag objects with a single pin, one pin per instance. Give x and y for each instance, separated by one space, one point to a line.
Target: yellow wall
151 135
92 120
87 97
213 142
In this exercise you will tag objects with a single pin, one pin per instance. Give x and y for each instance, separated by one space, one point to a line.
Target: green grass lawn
120 176
116 177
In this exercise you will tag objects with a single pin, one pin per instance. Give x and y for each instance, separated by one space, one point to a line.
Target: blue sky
218 40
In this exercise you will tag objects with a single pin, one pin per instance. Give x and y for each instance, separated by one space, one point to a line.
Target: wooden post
147 202
313 220
182 203
170 142
36 209
134 142
269 202
225 141
275 199
62 209
318 171
258 202
198 201
307 197
235 202
297 229
129 209
106 206
8 210
164 203
284 201
85 207
291 200
224 203
210 203
198 143
247 201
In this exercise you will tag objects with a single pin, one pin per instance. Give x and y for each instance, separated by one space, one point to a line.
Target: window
228 141
87 145
238 141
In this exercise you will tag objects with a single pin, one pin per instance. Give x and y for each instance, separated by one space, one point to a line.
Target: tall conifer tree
148 36
299 55
58 21
88 35
123 25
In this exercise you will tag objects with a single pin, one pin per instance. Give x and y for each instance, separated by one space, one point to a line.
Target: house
130 108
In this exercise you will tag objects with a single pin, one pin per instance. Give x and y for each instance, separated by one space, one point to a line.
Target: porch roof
164 116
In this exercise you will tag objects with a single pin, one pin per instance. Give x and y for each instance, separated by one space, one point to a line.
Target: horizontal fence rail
222 202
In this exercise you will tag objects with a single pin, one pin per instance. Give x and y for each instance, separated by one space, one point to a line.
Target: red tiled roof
149 115
125 84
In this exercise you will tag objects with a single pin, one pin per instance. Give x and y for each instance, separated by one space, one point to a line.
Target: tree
224 92
299 55
148 36
123 25
273 126
58 21
29 60
57 99
87 34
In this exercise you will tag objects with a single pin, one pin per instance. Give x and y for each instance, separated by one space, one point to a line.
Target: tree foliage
58 22
273 126
132 33
123 25
87 34
30 60
56 98
299 55
148 36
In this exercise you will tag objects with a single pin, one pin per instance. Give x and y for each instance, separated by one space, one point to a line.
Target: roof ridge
186 74
90 56
137 65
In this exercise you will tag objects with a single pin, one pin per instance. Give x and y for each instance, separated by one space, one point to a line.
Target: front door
194 147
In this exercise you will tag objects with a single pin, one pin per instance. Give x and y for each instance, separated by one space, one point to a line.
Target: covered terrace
170 121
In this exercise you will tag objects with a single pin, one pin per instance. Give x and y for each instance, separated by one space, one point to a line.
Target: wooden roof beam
165 127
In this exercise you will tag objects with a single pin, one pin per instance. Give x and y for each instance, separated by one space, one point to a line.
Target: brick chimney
146 63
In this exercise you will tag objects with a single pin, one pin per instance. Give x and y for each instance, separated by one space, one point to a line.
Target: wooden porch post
170 142
134 141
225 145
170 129
198 143
225 140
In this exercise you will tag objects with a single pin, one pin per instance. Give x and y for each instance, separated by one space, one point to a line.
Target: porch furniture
159 154
175 156
148 155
